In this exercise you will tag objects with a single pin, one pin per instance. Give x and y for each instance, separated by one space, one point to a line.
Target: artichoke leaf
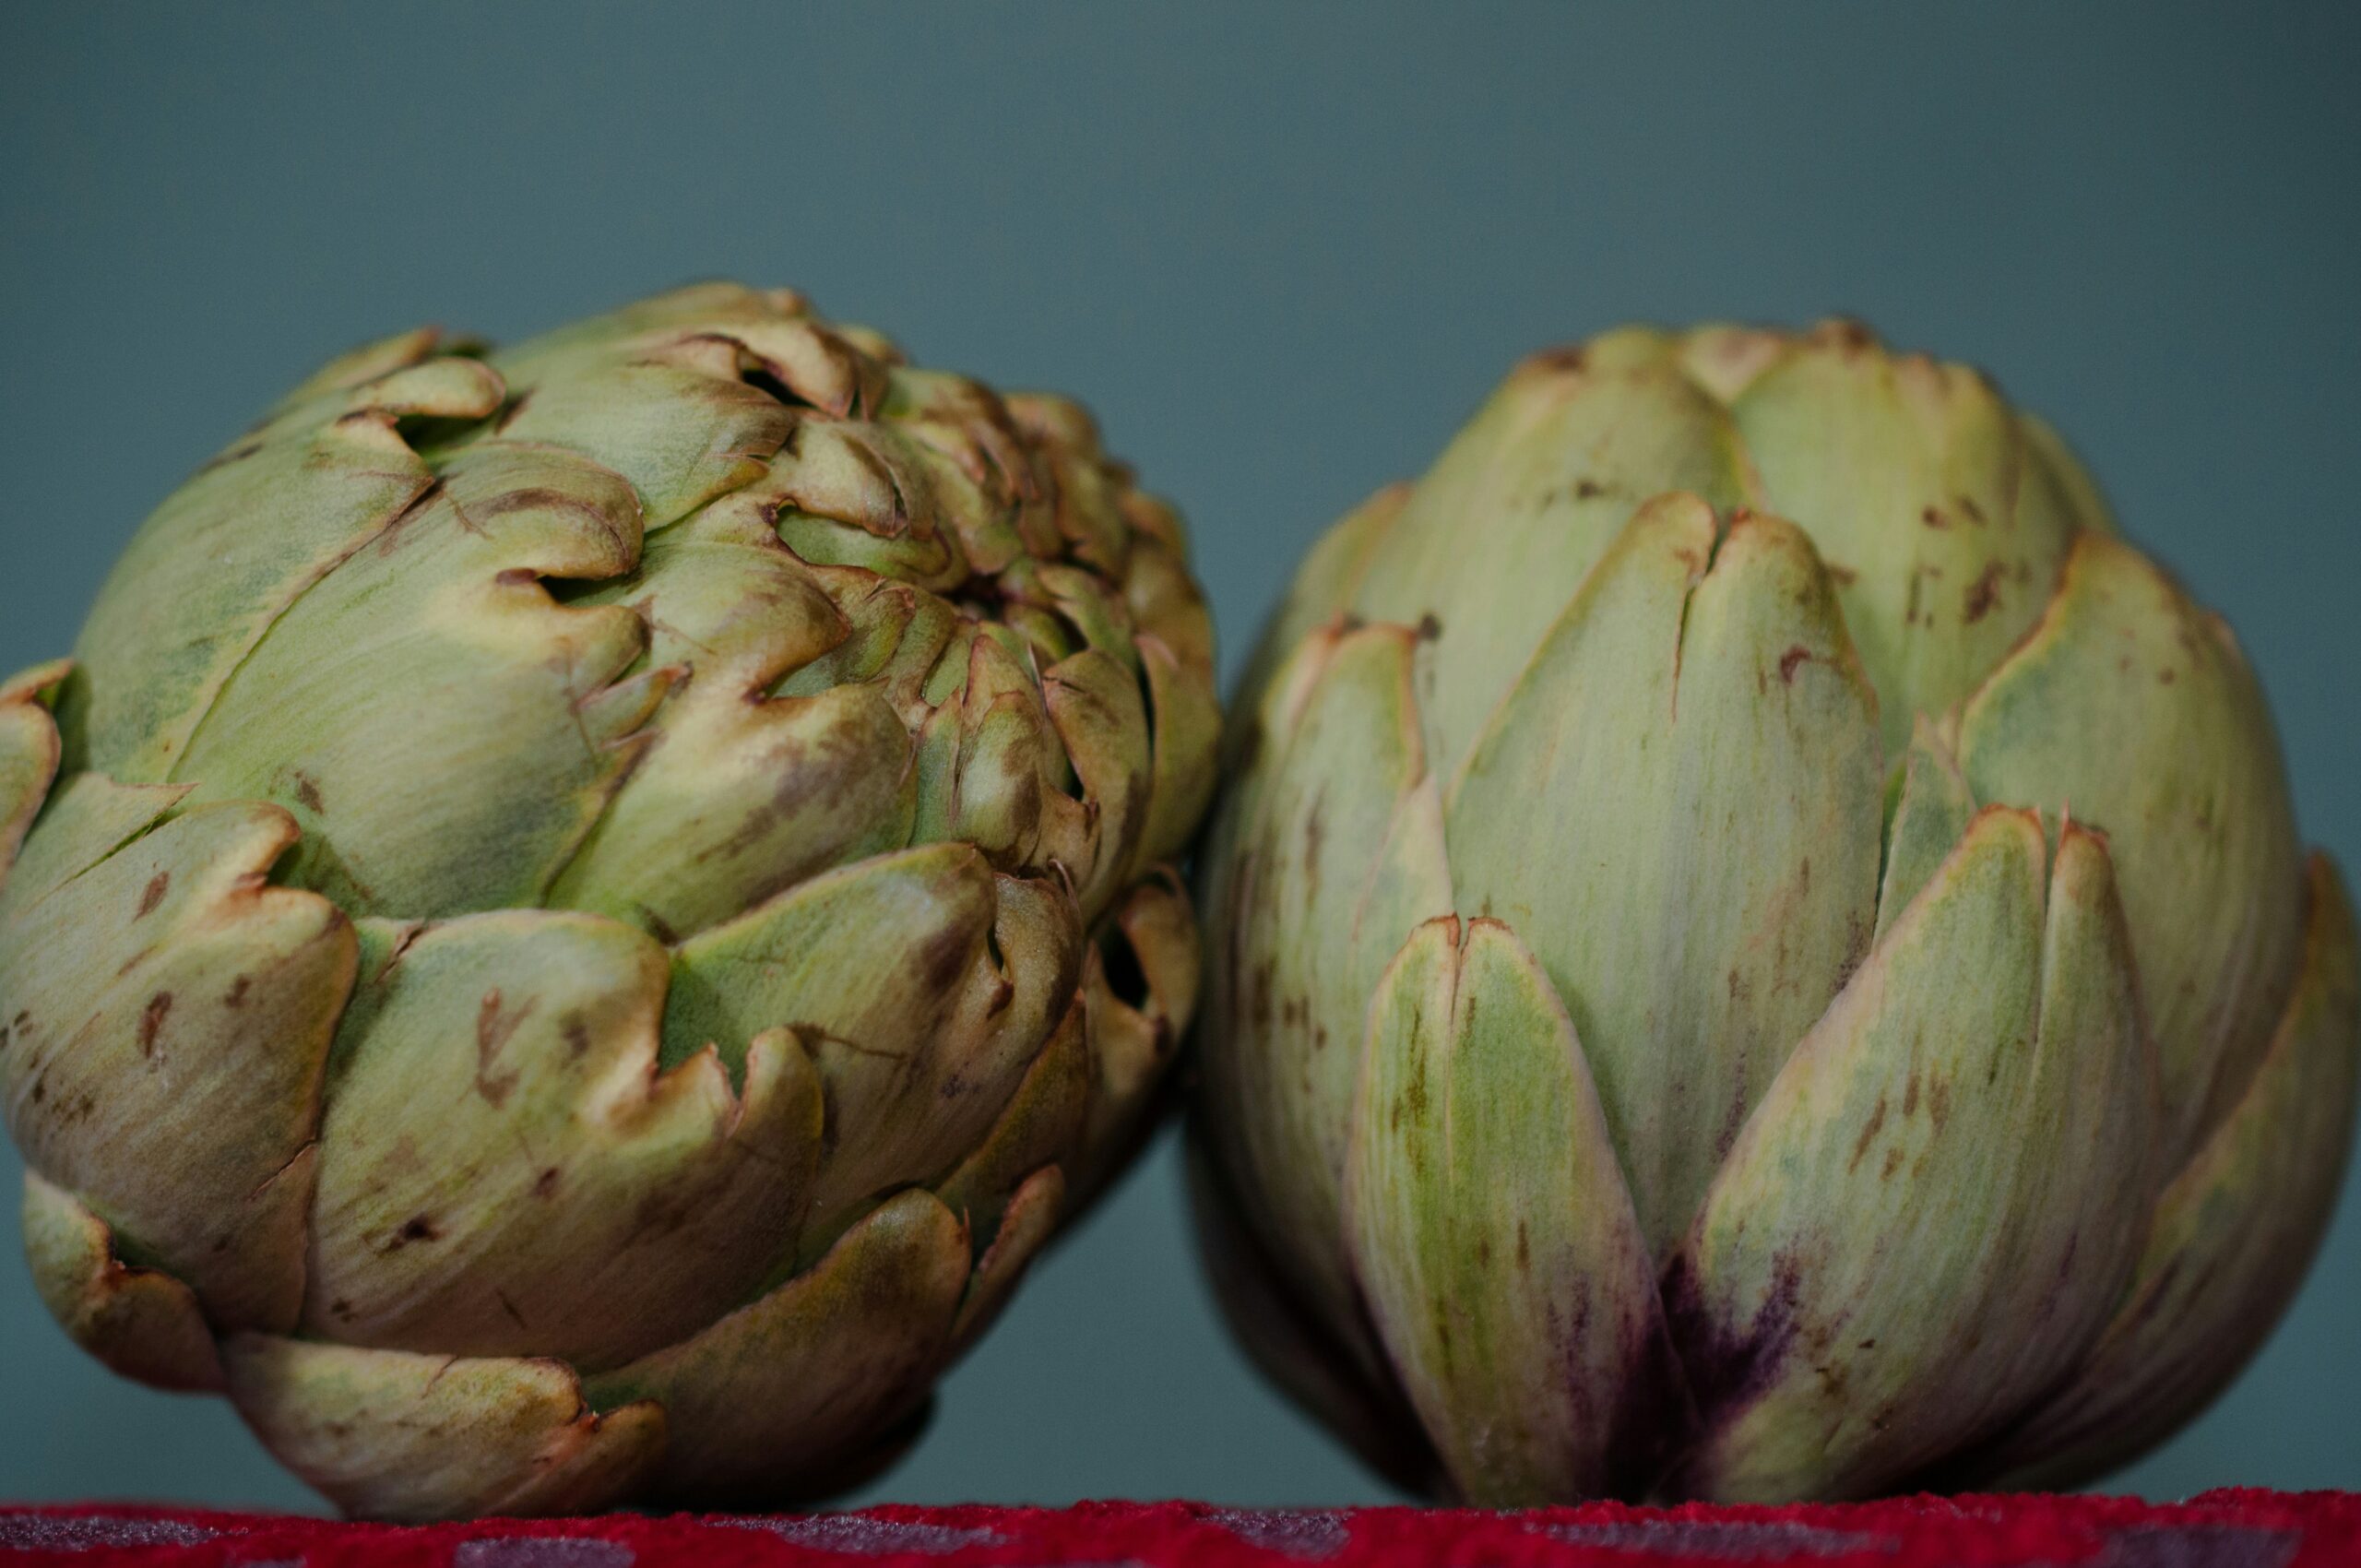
508 712
1932 808
1086 493
170 1013
369 362
1164 603
1726 359
1041 1125
2133 709
30 751
678 419
505 1171
989 759
1025 1226
401 1436
1338 857
739 794
139 1322
88 817
2234 1233
1186 717
897 637
226 555
713 308
1912 477
1101 714
926 985
1323 588
1553 465
871 496
1491 1232
1701 735
1959 1147
815 363
1135 1030
781 1387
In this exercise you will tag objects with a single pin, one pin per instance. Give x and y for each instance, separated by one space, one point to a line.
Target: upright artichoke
1760 951
588 909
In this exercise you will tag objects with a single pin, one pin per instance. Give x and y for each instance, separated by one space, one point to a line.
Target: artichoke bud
554 933
1756 949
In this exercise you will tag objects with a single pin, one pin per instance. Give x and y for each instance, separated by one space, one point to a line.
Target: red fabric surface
2220 1529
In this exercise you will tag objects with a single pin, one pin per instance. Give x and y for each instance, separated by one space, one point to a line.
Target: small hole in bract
1125 977
762 378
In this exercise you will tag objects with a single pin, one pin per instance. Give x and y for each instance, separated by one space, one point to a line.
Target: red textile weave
2220 1529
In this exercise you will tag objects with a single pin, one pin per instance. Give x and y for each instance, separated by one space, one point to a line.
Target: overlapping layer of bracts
1760 951
598 902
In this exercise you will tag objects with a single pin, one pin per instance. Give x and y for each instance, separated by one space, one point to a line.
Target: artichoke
1760 951
580 912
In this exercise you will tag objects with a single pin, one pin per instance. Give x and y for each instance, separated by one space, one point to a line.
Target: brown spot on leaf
577 1037
494 1023
944 960
1868 1132
1892 1164
417 1228
1796 655
1910 1095
1938 1102
1589 490
1429 628
1983 593
153 894
1315 829
1566 357
1969 509
236 995
546 1183
1933 517
151 1020
531 497
307 791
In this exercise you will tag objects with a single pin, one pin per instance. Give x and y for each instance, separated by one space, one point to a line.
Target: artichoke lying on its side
592 906
1760 951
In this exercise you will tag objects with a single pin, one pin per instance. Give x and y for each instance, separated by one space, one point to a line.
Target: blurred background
1282 251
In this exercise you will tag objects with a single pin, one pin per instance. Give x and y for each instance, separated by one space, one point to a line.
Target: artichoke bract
1759 950
579 913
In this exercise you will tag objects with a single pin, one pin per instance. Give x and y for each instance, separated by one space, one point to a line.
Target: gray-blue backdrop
1282 250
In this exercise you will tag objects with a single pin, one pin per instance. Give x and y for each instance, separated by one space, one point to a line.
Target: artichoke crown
598 901
1761 950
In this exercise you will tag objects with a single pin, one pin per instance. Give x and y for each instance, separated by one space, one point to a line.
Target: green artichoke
1760 951
588 907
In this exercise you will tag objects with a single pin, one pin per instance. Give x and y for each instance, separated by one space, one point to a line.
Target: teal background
1282 250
